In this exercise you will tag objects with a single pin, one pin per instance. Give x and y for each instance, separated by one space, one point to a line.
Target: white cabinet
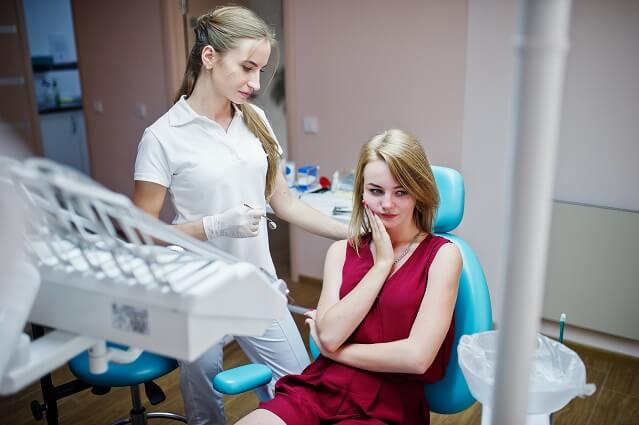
64 139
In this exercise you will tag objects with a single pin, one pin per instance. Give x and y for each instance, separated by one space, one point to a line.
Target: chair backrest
472 310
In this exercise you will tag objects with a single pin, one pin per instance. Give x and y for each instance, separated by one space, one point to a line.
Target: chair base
141 417
138 414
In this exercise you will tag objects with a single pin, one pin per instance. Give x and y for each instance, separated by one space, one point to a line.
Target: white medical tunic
207 171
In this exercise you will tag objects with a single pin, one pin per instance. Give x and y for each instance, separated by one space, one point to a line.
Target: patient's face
385 197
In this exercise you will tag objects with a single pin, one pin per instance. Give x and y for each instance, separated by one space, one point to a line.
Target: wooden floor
616 401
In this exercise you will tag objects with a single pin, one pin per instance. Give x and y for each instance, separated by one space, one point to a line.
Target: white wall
599 136
598 147
487 114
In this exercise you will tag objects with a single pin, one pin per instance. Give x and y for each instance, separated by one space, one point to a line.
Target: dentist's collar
181 113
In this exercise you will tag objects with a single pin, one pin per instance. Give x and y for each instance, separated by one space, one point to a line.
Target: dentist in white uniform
214 152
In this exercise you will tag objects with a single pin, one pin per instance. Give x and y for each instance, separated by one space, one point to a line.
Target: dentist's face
385 197
236 74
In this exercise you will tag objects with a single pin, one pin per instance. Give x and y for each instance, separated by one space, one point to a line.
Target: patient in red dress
384 322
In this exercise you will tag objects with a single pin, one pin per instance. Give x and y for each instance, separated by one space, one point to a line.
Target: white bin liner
558 375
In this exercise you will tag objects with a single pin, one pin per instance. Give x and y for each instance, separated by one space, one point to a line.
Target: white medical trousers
280 348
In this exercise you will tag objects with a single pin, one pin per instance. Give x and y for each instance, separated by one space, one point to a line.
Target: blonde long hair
223 28
409 166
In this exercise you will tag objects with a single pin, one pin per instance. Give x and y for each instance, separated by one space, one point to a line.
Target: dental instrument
271 224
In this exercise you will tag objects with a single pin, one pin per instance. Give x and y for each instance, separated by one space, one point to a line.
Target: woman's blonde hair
222 29
409 166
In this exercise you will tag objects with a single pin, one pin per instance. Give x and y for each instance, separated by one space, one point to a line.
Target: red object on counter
324 182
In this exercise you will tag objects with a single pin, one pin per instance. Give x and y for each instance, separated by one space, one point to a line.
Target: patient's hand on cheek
384 254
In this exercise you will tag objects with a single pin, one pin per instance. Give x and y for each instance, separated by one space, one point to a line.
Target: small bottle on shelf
56 93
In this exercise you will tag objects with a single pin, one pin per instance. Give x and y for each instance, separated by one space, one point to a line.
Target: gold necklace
403 254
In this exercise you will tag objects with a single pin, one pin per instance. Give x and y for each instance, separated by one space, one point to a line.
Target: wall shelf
63 108
46 67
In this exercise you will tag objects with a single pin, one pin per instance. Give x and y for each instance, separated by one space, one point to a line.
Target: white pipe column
541 45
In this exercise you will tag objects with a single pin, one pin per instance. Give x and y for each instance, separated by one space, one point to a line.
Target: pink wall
121 61
363 66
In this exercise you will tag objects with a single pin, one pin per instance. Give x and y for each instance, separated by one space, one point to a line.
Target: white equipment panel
109 271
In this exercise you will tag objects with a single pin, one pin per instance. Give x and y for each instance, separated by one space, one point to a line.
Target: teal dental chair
472 311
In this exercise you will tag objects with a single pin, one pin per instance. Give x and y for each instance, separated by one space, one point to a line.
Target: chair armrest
242 379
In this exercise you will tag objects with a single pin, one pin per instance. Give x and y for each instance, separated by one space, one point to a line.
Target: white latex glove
238 222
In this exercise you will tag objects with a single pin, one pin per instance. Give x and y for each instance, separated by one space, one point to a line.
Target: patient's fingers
372 223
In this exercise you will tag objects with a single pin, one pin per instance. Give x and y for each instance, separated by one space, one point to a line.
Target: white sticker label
130 319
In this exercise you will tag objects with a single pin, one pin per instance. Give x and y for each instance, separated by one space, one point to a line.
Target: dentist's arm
149 197
416 353
236 222
290 208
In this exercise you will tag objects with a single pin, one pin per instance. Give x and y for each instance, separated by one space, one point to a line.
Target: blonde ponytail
188 82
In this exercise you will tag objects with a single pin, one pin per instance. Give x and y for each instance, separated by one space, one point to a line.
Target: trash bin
557 374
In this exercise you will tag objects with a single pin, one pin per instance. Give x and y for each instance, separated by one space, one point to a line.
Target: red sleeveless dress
328 392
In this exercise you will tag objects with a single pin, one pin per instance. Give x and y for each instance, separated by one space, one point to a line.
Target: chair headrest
450 185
